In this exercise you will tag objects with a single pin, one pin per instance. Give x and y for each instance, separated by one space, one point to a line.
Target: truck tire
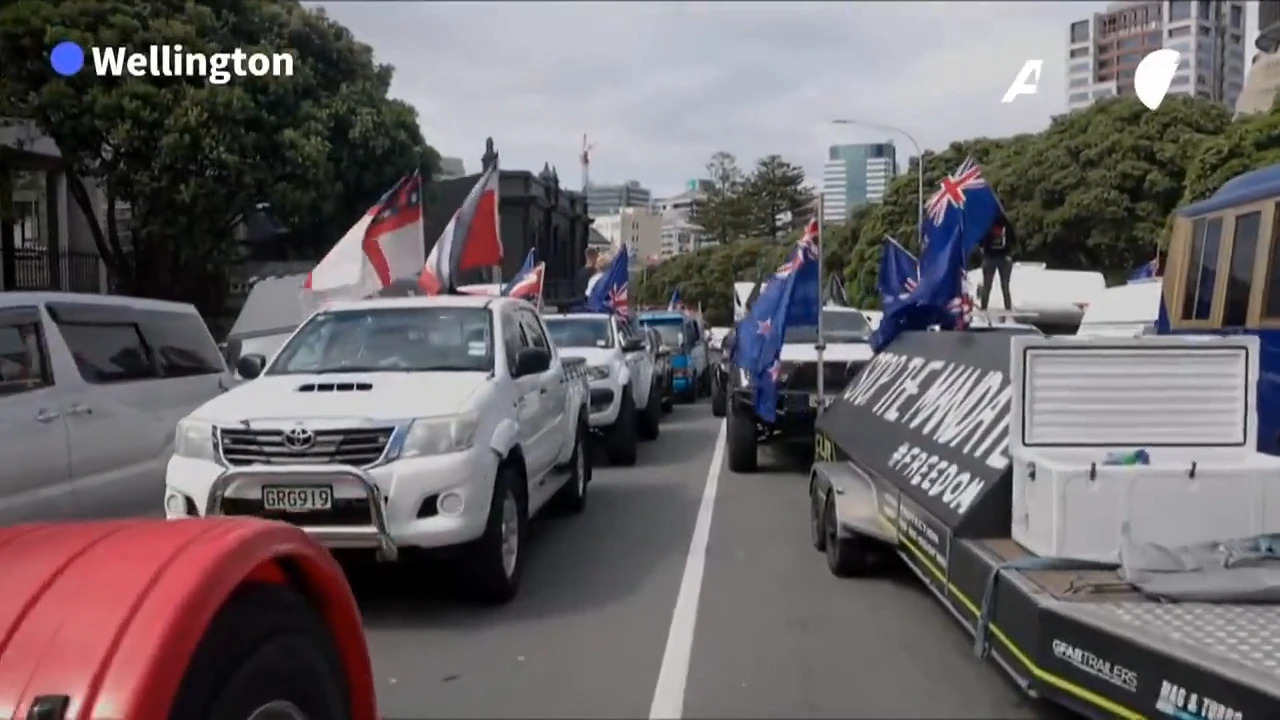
717 399
817 521
491 565
622 441
651 418
689 396
668 398
211 618
742 441
846 557
572 496
267 648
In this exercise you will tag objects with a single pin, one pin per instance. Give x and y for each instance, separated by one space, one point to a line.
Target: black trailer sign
930 416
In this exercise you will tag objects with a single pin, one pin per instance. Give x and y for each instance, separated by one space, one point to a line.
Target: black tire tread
622 442
742 442
483 577
266 643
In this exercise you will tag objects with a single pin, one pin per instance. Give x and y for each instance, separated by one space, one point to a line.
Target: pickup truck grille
359 447
804 376
353 511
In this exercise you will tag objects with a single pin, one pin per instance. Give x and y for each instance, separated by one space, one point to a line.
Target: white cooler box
1189 402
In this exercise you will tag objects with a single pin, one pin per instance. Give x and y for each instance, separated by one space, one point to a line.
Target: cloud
660 86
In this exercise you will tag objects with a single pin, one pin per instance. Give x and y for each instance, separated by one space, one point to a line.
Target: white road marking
668 696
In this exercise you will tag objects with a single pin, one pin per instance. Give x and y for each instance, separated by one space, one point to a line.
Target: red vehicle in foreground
213 619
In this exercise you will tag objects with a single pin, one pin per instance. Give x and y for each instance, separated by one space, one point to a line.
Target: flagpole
821 345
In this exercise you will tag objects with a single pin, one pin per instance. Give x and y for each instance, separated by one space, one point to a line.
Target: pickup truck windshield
837 325
672 337
580 332
390 340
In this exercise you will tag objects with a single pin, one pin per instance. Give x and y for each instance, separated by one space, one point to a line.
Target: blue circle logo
67 58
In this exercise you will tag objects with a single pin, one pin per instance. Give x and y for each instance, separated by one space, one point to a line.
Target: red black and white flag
471 240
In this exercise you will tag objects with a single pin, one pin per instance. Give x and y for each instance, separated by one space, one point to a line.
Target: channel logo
1154 74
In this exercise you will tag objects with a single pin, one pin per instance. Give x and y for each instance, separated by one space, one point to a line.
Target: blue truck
683 336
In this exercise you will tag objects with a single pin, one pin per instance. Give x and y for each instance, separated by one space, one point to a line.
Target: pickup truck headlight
437 436
195 440
599 372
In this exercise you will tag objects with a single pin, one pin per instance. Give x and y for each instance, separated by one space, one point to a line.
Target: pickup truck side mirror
250 366
633 345
664 352
531 361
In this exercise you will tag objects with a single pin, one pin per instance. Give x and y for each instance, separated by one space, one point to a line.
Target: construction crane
586 161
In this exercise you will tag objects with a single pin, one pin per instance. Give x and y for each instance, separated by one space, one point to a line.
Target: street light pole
919 165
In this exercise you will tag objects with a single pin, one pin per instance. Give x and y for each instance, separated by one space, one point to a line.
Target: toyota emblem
299 439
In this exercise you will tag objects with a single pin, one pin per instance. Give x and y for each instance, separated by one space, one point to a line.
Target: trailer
987 462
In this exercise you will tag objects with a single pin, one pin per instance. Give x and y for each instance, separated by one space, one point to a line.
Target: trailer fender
102 618
861 508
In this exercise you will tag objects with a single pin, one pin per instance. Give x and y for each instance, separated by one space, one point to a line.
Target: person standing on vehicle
583 276
602 265
997 249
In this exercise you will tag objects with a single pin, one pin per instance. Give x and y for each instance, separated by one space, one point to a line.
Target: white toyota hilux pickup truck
626 403
398 425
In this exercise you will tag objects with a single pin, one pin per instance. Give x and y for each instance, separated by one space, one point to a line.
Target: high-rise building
1263 81
610 199
1103 52
855 175
639 228
680 230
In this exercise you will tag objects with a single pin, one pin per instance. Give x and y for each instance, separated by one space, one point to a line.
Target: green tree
706 277
1091 192
776 197
1248 144
724 215
190 157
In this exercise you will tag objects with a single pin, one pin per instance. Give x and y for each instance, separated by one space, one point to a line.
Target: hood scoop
336 387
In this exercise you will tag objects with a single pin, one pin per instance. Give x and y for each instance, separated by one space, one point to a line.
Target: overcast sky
660 87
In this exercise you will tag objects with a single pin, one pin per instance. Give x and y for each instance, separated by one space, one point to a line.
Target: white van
272 311
1123 311
1053 300
91 389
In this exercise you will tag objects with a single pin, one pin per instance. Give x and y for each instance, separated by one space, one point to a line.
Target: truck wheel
621 445
651 418
266 650
572 496
668 398
717 400
690 395
492 564
817 521
846 557
742 441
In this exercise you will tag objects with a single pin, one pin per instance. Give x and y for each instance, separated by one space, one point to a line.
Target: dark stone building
535 212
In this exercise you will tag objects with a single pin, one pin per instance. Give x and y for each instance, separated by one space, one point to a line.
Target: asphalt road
774 634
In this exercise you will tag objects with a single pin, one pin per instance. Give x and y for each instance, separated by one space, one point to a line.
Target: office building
451 168
1263 80
1103 52
605 200
855 175
639 228
684 204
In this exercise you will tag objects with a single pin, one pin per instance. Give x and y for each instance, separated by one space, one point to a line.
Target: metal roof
1239 190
